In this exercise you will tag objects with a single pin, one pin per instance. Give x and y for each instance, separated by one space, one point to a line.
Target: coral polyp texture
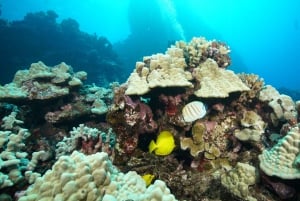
93 177
239 179
283 160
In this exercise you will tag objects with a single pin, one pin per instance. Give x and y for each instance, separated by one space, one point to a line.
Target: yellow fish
164 144
148 178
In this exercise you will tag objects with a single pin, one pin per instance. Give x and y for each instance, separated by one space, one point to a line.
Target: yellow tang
148 178
164 144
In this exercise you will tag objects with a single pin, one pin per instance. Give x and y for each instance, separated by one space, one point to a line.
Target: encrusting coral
253 127
283 160
239 179
284 108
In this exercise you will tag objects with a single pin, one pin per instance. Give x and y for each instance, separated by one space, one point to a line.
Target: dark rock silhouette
38 37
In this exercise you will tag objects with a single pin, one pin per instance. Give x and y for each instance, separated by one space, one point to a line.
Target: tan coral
253 120
268 93
248 134
283 159
216 82
255 83
92 178
196 143
284 108
11 156
199 49
211 143
159 70
41 82
238 180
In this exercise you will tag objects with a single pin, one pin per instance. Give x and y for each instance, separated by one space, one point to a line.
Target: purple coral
140 115
171 103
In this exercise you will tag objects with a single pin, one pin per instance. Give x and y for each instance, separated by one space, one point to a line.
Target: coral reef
214 131
10 121
171 70
253 127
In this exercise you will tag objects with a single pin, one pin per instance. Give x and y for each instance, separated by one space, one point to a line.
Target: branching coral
87 140
199 49
13 158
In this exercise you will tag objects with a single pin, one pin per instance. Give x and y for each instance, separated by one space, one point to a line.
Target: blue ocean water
264 36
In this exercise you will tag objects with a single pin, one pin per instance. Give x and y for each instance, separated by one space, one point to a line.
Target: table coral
215 81
160 70
41 82
173 69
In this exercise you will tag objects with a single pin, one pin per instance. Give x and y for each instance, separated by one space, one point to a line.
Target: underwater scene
158 100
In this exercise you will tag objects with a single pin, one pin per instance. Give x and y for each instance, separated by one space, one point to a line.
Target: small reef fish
193 111
164 144
148 178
